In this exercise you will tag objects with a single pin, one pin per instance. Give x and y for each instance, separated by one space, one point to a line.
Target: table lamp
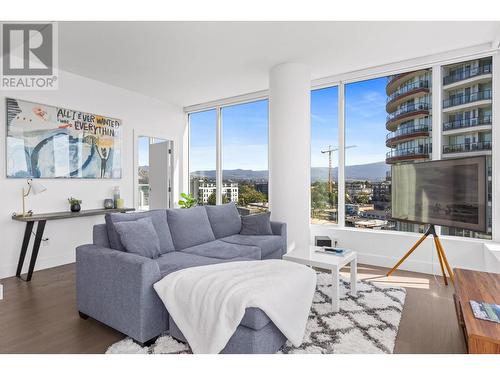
34 186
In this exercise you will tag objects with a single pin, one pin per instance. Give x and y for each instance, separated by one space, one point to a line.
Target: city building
467 99
409 116
262 187
202 190
381 197
355 188
467 118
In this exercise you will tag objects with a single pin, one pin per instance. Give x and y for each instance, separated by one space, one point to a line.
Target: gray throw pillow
159 219
139 237
258 224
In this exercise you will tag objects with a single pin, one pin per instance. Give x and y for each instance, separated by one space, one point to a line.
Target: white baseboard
408 264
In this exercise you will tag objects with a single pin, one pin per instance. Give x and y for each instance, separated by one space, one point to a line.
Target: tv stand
439 249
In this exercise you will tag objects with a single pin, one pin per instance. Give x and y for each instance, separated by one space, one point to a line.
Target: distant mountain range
234 174
371 171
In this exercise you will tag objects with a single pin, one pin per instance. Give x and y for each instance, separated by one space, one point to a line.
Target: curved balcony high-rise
409 116
467 108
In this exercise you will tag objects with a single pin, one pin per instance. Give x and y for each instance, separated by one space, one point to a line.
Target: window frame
218 106
433 62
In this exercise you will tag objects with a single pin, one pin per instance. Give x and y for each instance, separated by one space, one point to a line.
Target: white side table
330 262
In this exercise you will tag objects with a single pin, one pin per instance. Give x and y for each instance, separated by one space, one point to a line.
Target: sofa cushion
139 237
258 224
267 244
158 218
224 219
224 250
189 227
178 260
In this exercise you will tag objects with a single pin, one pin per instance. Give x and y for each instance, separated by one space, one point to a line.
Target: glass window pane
467 121
388 121
202 155
143 172
245 156
324 155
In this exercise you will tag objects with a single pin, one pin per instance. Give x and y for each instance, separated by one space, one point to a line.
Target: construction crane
329 152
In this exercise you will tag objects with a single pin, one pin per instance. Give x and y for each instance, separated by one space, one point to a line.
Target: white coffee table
330 262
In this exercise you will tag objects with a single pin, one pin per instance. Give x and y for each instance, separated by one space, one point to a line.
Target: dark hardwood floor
41 317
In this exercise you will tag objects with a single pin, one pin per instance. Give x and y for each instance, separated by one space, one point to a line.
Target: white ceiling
193 62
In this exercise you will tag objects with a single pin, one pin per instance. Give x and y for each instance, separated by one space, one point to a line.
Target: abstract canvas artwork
50 142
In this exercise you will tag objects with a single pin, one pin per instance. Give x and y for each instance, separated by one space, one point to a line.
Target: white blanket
208 302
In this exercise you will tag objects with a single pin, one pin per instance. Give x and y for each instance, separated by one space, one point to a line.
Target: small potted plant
74 204
188 201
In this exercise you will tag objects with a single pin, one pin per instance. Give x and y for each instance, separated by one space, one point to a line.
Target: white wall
137 112
383 248
289 150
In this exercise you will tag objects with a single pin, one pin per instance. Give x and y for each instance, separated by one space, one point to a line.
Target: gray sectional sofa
115 287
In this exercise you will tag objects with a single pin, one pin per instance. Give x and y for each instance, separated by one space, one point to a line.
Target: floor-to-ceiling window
324 155
244 155
243 151
202 155
387 121
467 122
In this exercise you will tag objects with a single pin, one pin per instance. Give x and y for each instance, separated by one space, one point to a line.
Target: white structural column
290 151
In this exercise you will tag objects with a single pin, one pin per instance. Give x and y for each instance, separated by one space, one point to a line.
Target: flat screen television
450 192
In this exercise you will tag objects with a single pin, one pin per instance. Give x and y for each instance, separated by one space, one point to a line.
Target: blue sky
143 154
365 121
245 135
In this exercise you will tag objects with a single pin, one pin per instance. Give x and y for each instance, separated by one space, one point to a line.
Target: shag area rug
365 324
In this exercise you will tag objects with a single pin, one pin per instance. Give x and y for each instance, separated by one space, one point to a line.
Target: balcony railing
467 123
408 88
467 73
408 109
423 150
396 77
467 147
391 79
464 99
409 130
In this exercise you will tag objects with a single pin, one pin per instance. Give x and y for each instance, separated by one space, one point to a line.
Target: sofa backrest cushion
189 226
158 218
224 219
139 237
